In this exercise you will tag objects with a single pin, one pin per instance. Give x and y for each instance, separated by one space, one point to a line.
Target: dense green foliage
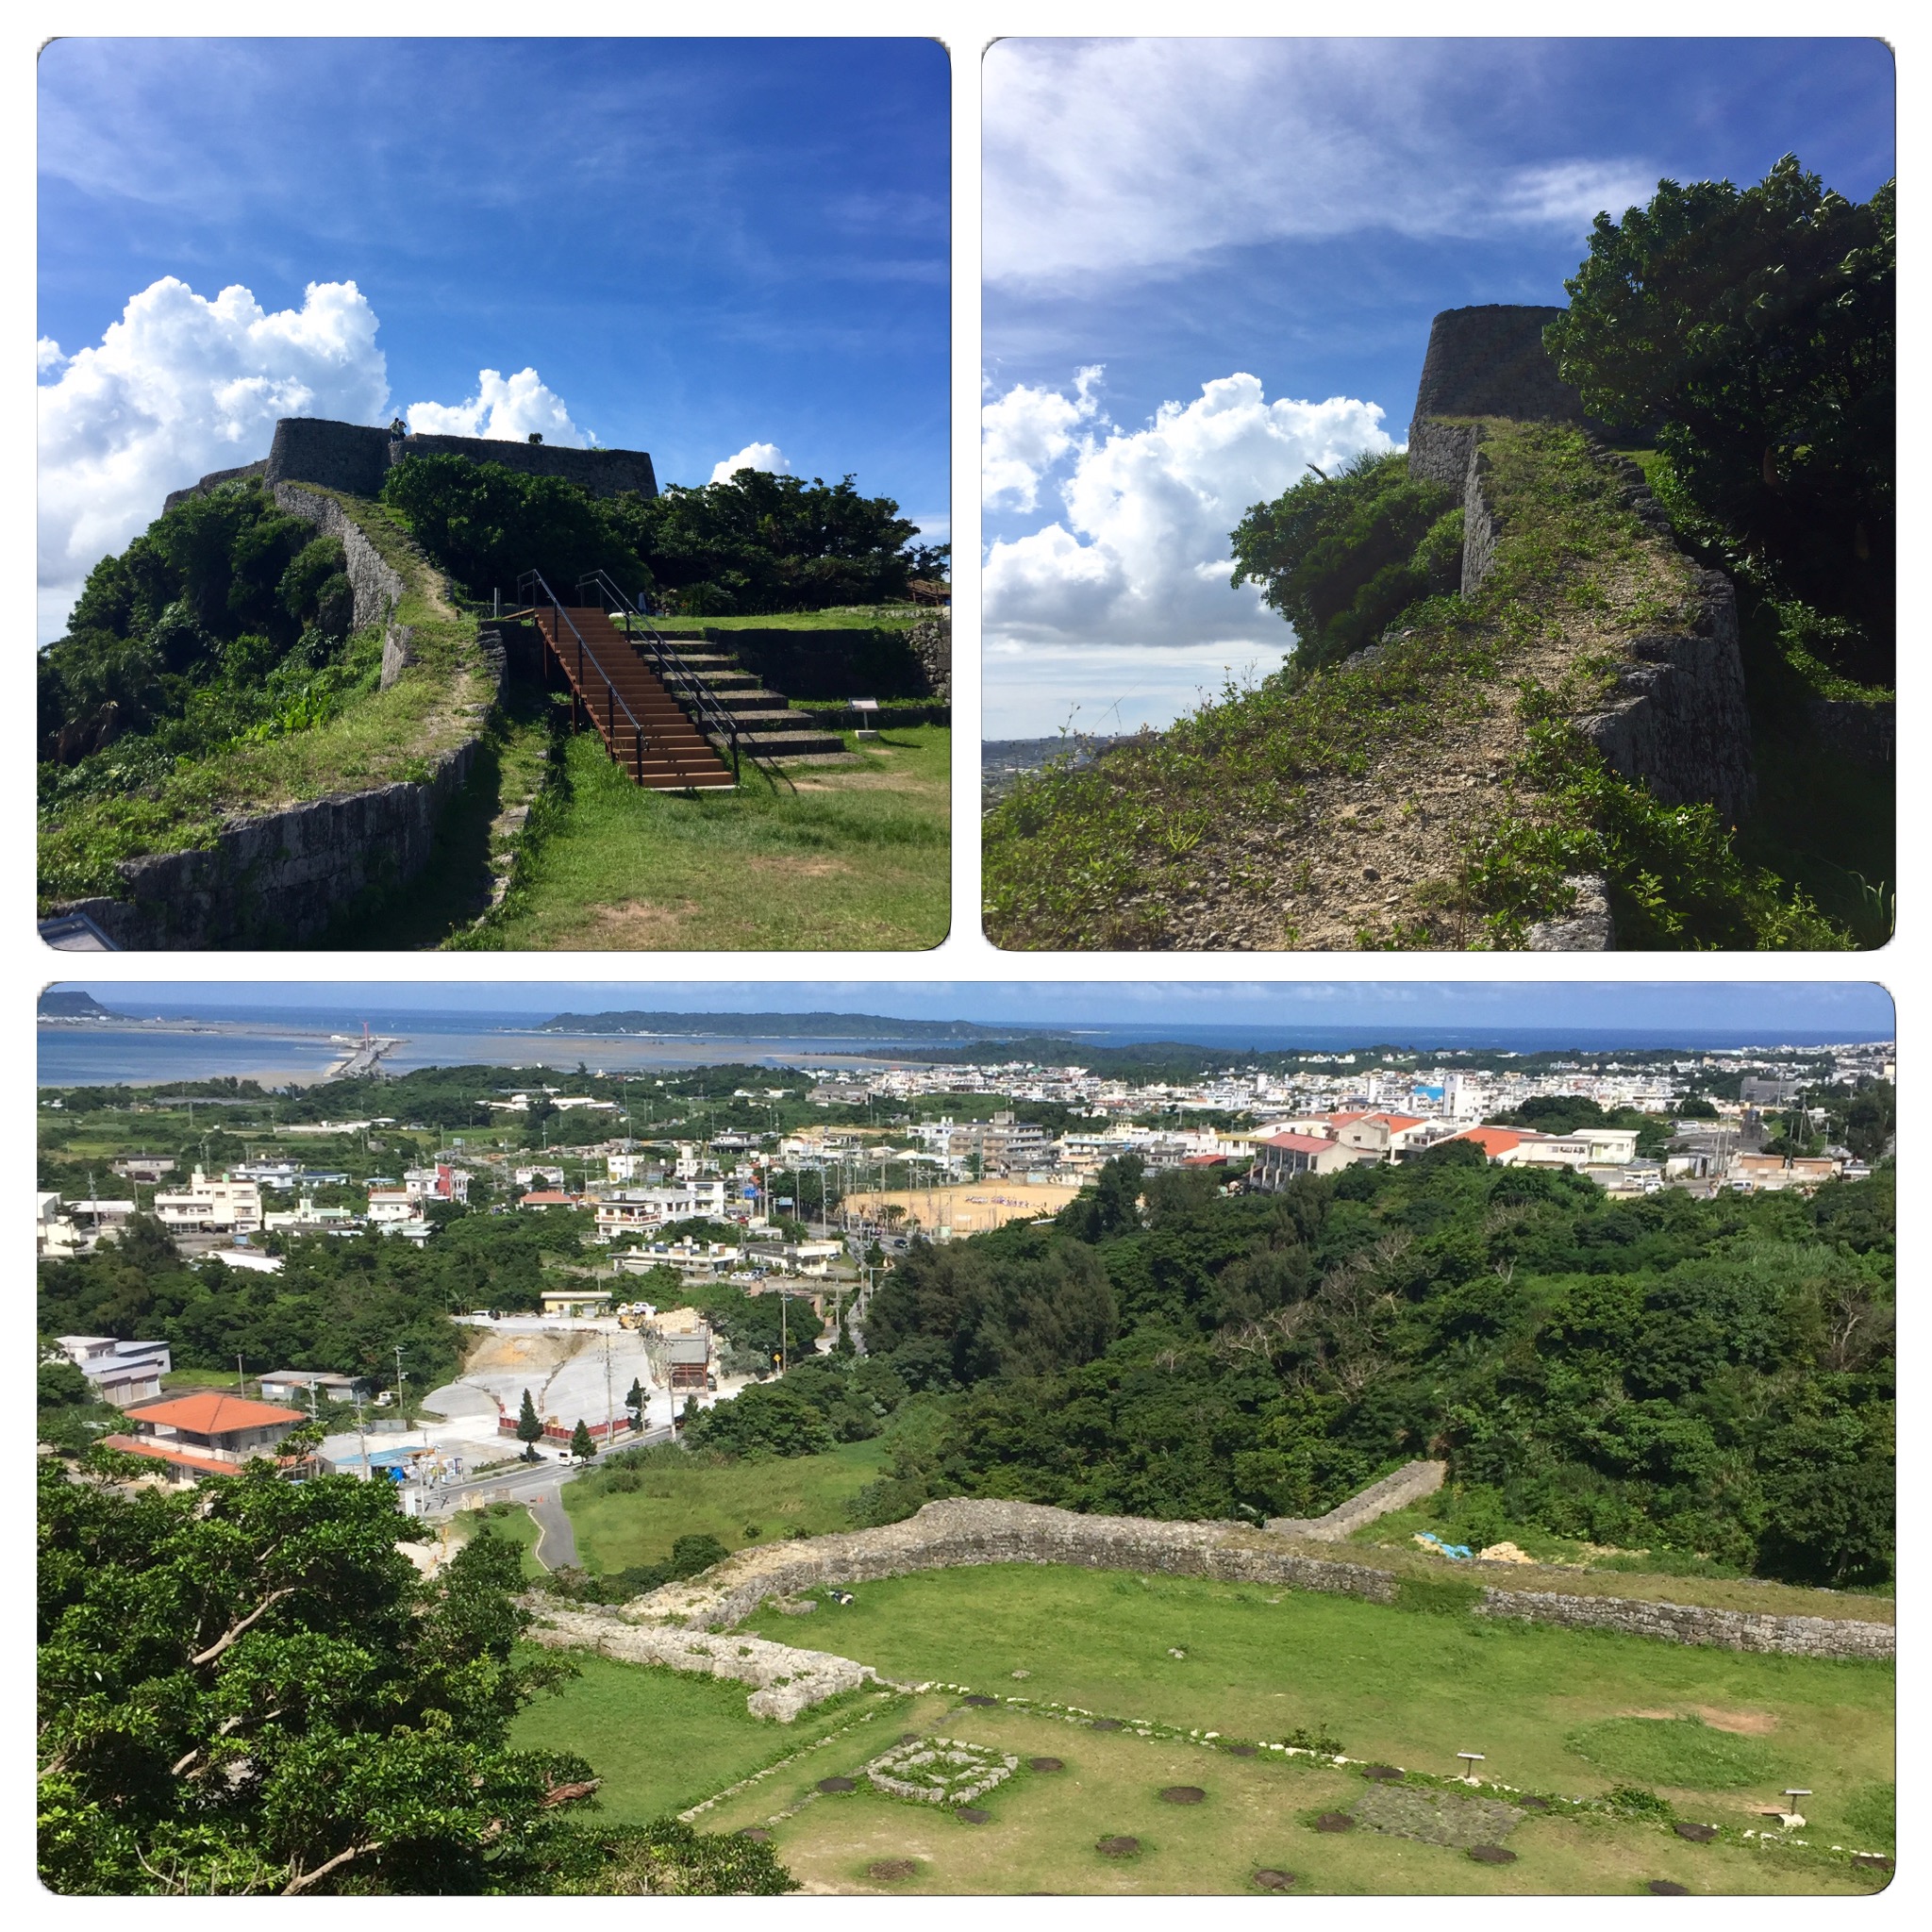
337 1303
756 544
1710 1376
1342 557
823 1400
225 620
1752 333
244 1688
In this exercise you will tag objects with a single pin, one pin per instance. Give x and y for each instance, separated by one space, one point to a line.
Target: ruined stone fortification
1677 720
785 1680
280 878
968 1531
1409 1484
355 458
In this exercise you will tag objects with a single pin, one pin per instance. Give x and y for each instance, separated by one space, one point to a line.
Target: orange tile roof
1398 1122
1300 1144
1493 1140
211 1413
547 1197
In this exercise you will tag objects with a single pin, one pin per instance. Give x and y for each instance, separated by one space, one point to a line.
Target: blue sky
698 246
1680 1011
1176 213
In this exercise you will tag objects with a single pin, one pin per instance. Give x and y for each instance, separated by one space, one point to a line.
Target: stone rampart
1489 360
377 588
355 458
1693 1623
966 1531
784 1681
1677 719
1866 732
213 480
1409 1484
280 878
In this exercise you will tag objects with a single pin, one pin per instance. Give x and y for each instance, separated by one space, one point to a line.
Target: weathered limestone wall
1489 360
1868 733
279 879
1409 1484
378 589
784 1681
963 1532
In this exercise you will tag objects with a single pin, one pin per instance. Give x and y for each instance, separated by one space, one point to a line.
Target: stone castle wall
355 458
1491 361
964 1532
1409 1484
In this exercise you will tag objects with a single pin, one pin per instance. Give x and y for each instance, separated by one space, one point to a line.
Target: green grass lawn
513 1523
1409 1687
855 858
618 1529
840 617
663 1740
1042 1828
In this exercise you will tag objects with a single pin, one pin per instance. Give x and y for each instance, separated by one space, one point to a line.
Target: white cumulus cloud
1141 555
1027 431
754 456
504 409
181 385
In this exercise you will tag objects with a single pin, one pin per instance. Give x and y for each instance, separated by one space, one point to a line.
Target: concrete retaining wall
963 1532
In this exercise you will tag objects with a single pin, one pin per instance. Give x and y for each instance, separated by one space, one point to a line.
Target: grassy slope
856 858
1352 807
617 1530
661 1740
1042 1834
1409 1689
514 1523
840 617
380 738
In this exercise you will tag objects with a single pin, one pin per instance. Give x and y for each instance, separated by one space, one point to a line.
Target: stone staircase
765 718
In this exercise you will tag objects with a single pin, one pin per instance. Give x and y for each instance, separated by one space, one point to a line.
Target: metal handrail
679 677
532 581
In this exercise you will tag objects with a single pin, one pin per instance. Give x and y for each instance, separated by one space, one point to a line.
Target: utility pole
609 1414
241 1380
400 1406
361 1438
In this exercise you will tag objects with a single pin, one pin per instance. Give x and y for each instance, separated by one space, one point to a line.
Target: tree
529 1427
582 1445
244 1688
1339 558
635 1402
1752 333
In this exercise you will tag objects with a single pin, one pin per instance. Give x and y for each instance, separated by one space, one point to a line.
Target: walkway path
557 1545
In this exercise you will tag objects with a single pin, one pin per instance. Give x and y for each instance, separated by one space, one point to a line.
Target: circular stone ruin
941 1771
1105 1723
1492 1855
1335 1820
1244 1750
1668 1887
1118 1847
972 1815
1182 1794
1269 1879
756 1833
831 1786
1697 1833
1047 1764
887 1870
980 1701
1382 1773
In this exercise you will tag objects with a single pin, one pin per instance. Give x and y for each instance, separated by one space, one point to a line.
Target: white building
442 1182
645 1207
121 1372
224 1206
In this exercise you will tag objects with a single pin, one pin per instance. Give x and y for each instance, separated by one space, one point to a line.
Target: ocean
280 1046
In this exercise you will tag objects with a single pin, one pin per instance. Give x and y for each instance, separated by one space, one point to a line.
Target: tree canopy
1341 556
217 620
755 544
1752 332
1711 1377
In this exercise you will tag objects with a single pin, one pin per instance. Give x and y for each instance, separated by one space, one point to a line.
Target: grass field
1042 1830
662 1740
840 617
513 1523
618 1529
1409 1689
856 858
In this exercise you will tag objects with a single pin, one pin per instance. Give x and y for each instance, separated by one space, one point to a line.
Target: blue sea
280 1045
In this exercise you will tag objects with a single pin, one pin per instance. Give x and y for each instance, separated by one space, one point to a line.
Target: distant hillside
70 1005
784 1026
